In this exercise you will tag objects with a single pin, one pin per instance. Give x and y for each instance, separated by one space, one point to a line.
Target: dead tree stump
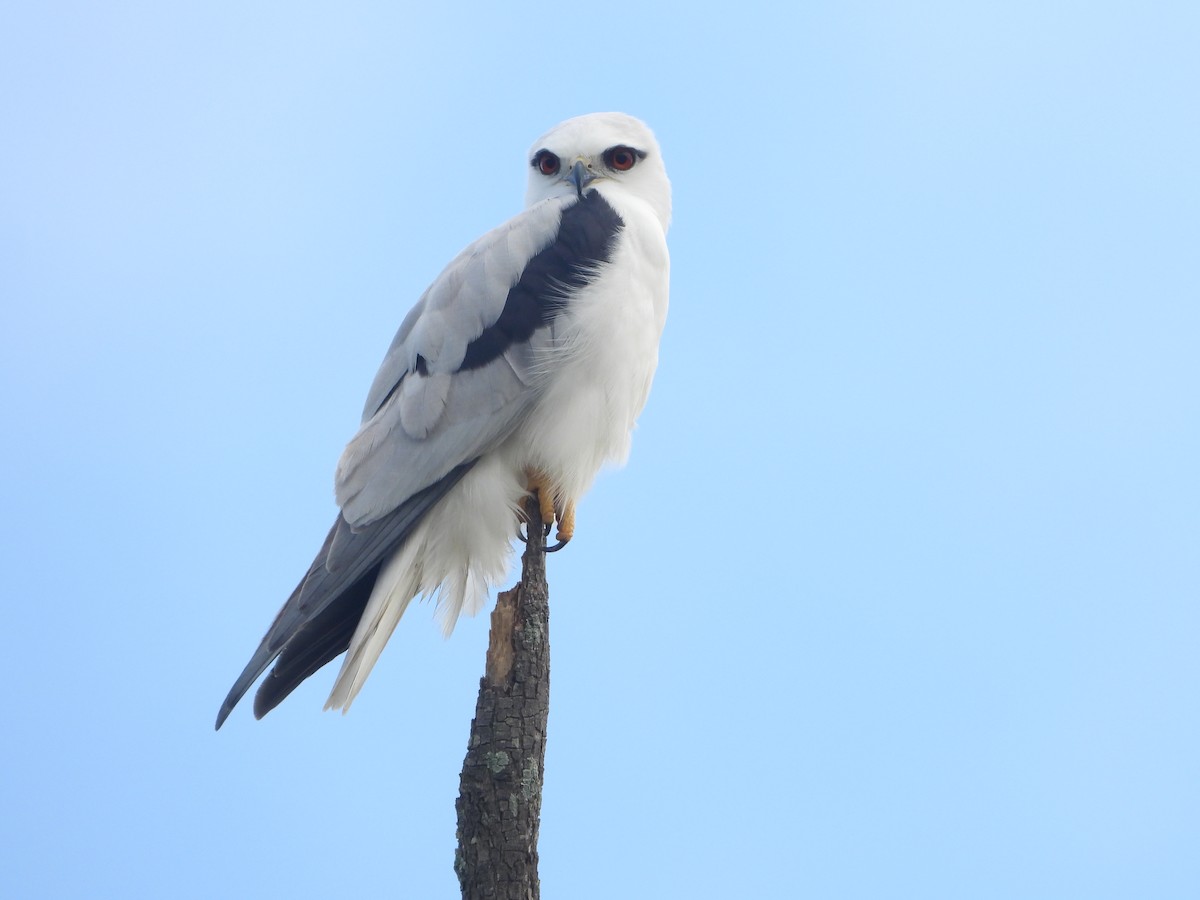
500 790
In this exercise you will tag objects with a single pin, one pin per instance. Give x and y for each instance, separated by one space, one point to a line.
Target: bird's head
612 152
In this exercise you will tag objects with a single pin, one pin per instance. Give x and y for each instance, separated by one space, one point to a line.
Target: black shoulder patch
584 240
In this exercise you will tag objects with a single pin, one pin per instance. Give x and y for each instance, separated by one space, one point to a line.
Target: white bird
522 368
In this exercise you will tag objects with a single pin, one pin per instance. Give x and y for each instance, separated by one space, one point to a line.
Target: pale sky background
898 595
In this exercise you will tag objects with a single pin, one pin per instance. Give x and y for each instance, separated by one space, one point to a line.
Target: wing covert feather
425 414
464 299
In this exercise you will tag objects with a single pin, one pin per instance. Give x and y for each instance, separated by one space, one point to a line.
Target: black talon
556 547
545 533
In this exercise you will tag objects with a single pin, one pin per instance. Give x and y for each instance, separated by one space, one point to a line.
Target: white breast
605 354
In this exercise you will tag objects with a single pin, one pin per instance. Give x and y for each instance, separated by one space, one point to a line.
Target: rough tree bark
500 790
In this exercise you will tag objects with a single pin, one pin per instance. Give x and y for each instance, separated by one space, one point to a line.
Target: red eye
546 162
620 158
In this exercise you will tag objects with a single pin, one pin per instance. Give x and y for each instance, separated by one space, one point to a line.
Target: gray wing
460 374
436 400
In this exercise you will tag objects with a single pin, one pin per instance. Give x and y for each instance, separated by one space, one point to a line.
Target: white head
611 152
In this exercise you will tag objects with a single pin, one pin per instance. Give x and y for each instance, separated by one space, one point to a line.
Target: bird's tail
461 549
394 589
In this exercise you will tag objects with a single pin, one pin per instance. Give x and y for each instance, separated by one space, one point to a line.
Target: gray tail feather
316 623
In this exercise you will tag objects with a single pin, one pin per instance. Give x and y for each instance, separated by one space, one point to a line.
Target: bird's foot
551 509
566 528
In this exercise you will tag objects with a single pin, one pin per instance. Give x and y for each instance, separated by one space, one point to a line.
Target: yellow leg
566 524
539 483
550 508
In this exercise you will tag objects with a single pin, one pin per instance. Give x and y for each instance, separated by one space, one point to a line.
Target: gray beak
580 176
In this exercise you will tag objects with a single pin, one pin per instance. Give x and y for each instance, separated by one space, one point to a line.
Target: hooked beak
580 176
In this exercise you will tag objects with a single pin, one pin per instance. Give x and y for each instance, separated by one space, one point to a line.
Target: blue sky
897 596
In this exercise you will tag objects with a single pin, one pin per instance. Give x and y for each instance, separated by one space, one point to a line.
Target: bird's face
612 152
